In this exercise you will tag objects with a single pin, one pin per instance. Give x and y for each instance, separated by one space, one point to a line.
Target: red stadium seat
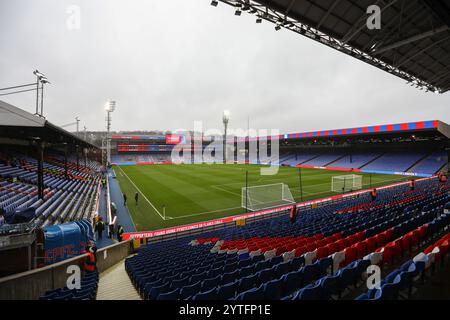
333 247
317 237
321 243
291 247
361 249
388 234
361 235
343 243
300 251
280 251
337 236
321 252
415 238
423 232
391 251
311 247
380 239
371 244
445 247
352 239
406 242
350 255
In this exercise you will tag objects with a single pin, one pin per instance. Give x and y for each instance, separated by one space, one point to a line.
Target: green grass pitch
192 193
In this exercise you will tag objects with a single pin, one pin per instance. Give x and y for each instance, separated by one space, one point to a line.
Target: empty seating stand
87 290
66 198
325 256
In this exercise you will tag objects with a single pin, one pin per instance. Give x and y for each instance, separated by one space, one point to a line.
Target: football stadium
343 201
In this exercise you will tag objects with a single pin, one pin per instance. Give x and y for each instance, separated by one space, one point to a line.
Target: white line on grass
217 186
162 217
202 213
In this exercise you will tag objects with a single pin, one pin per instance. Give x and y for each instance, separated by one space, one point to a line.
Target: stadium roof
409 127
413 42
16 123
433 125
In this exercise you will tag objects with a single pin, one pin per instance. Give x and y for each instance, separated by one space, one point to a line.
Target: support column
78 158
448 156
66 167
40 169
85 151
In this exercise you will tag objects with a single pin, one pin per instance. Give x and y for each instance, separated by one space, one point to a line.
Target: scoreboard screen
174 139
143 148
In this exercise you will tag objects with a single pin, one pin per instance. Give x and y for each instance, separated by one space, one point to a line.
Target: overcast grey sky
168 63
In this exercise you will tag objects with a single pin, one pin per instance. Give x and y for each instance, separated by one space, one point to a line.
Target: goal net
266 196
346 183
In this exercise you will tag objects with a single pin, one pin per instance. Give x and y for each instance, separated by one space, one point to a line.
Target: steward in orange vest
293 214
90 264
373 194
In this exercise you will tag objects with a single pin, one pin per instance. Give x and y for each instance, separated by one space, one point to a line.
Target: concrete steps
114 284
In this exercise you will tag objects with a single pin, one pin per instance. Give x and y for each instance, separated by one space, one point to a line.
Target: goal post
345 183
266 196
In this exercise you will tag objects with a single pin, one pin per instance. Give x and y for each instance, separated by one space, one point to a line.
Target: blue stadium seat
310 292
273 289
252 294
172 295
208 295
190 290
227 291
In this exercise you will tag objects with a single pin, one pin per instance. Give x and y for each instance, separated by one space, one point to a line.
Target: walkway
105 241
123 216
114 284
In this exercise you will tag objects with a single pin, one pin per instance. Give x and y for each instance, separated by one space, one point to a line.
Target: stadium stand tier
66 197
396 161
323 255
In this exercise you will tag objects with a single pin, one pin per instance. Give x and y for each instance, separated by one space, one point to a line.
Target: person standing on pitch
136 198
124 200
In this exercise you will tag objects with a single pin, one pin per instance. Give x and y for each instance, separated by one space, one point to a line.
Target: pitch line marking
162 217
217 186
202 213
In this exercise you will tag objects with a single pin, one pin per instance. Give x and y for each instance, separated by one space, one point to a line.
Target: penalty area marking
162 217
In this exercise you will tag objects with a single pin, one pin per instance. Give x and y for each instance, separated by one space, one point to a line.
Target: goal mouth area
256 198
269 205
346 183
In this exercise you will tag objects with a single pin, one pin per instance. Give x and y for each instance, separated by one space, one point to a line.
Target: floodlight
258 20
277 27
226 115
237 13
110 106
214 3
44 80
38 74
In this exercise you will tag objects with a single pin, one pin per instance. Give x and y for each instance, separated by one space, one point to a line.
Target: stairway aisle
114 284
